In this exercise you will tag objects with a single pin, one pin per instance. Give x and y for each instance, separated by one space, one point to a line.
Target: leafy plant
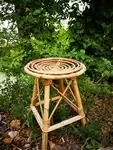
90 133
92 144
15 97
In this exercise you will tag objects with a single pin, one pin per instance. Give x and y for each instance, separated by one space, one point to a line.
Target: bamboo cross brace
59 100
71 91
37 116
41 90
67 100
33 100
52 99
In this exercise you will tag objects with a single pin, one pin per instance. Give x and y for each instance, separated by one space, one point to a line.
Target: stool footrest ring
65 122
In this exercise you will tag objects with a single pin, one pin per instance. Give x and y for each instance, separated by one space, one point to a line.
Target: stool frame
44 120
48 70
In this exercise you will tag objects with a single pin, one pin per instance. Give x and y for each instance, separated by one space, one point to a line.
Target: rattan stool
48 72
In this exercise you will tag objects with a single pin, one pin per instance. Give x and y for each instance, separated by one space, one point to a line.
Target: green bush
15 96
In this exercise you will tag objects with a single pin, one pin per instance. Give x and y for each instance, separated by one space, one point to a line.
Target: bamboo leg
61 85
34 95
46 122
78 99
38 94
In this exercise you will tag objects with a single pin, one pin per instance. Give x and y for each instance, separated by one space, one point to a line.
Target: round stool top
54 68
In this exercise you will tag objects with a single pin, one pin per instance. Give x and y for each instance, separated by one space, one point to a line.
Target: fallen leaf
27 145
12 134
58 147
98 102
15 124
36 148
111 48
52 145
7 140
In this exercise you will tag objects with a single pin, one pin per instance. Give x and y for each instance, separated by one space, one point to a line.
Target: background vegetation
34 31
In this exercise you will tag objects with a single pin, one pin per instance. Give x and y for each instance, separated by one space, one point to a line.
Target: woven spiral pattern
53 67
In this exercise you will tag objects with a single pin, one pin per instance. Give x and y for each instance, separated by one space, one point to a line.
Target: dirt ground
14 135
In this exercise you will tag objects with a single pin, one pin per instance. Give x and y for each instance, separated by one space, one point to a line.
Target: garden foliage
34 32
